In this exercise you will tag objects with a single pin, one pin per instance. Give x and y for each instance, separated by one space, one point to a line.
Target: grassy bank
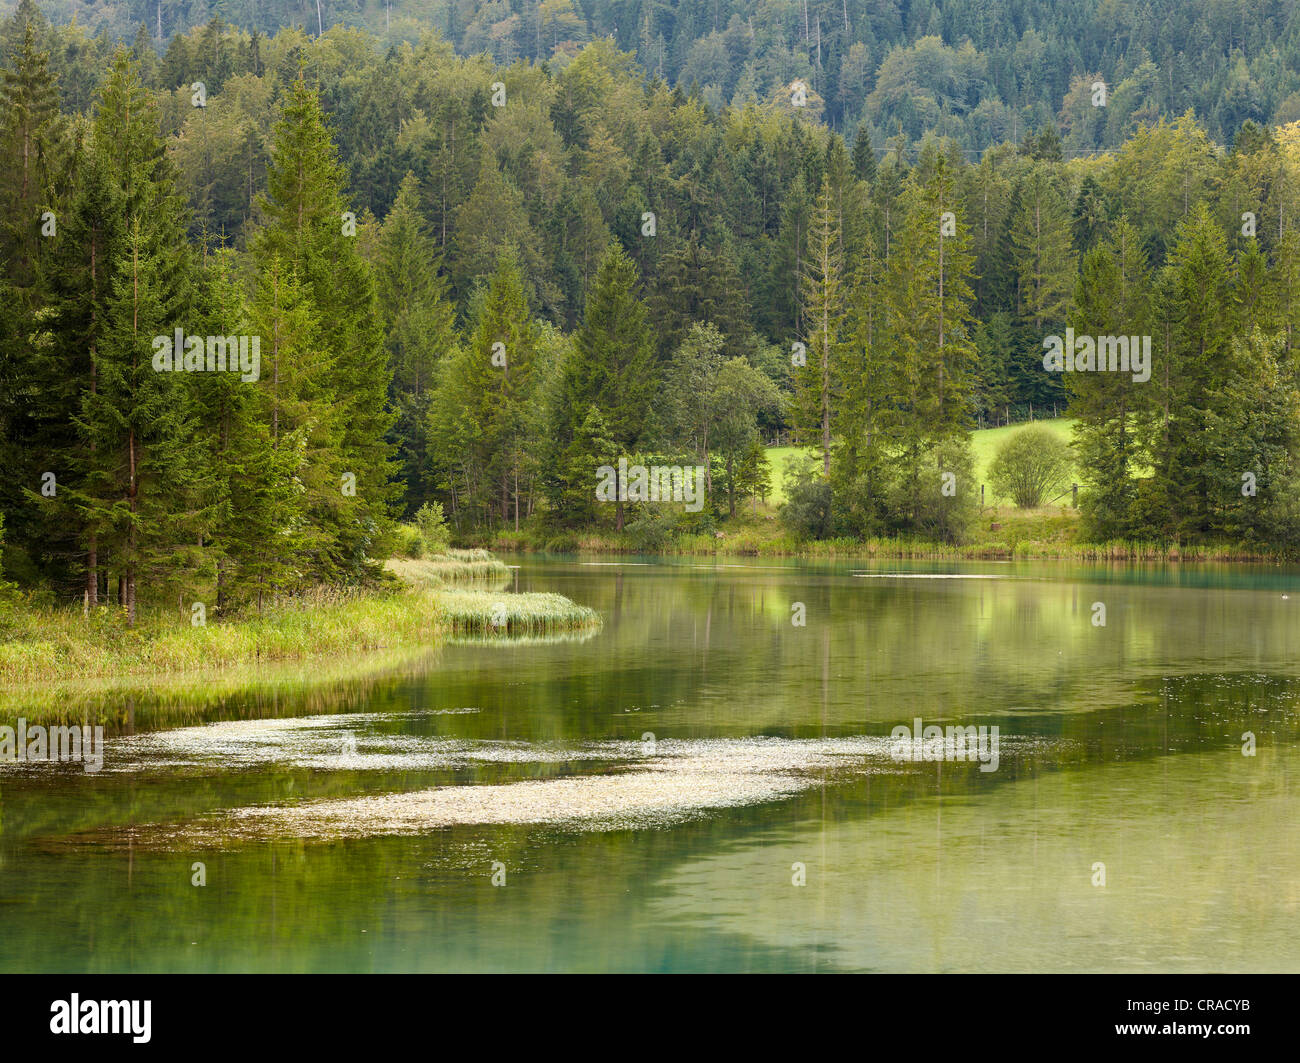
1002 533
42 645
248 690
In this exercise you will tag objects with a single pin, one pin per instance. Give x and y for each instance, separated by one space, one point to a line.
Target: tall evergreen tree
309 227
420 323
611 366
1112 298
816 383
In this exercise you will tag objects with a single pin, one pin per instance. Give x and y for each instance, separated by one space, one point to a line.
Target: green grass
776 459
483 613
157 699
451 567
1047 534
984 444
52 645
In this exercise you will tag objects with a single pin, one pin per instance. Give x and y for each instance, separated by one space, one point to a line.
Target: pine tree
137 419
306 228
926 297
136 476
816 383
1112 298
784 307
1044 264
1195 322
292 447
479 422
574 489
89 236
420 322
611 366
862 425
32 137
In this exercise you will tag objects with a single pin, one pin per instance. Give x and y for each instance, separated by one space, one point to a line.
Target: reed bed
57 644
243 691
1023 545
453 567
466 613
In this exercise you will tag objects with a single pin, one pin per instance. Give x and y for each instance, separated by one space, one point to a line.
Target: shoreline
746 543
57 655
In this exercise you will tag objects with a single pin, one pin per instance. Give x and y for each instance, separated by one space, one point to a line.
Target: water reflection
378 795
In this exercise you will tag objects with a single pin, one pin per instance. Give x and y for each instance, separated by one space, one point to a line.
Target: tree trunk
92 571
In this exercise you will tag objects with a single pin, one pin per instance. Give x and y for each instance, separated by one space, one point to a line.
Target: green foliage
807 508
432 526
1031 467
476 307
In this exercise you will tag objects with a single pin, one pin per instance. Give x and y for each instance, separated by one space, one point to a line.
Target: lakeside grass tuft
452 567
479 613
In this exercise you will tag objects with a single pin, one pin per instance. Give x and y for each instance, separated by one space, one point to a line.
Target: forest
475 269
978 71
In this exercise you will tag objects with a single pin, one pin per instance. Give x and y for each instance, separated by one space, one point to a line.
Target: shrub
652 529
1031 466
563 543
807 508
937 502
432 526
407 541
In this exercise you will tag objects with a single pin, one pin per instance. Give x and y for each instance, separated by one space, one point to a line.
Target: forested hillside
979 71
473 283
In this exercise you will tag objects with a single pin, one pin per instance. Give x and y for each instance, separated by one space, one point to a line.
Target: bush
432 526
652 528
1031 467
937 500
563 543
407 541
807 508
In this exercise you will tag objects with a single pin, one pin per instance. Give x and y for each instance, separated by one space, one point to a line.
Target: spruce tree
309 230
816 382
420 324
611 365
1112 298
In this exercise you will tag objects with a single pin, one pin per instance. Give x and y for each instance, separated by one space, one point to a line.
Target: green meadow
984 444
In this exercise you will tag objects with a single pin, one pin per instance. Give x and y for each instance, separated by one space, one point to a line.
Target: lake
707 785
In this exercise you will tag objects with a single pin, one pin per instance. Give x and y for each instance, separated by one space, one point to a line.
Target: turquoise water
646 798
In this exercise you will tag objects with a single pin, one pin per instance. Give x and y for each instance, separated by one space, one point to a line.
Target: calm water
647 793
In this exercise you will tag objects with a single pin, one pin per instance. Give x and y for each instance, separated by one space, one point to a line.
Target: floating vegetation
624 784
553 638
